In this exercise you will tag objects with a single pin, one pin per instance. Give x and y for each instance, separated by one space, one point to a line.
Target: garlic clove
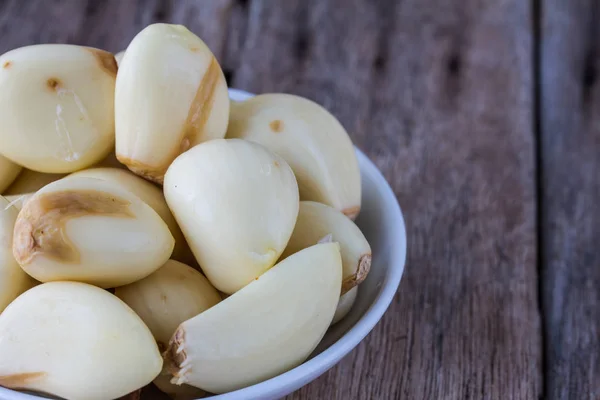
310 139
8 173
75 341
236 203
13 280
345 305
57 106
30 181
169 296
92 231
171 95
268 327
315 221
151 195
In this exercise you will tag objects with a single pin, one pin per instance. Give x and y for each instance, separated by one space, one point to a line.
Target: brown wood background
484 115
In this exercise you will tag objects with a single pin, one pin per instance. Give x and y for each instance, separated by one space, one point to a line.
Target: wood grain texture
439 94
570 127
421 88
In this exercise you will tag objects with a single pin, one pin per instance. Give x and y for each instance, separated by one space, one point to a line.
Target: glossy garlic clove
268 327
151 195
75 341
236 204
310 139
13 280
92 231
315 221
8 173
345 305
172 294
57 106
171 94
30 181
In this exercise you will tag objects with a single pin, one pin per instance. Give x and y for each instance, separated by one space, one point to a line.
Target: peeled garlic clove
13 280
30 181
268 327
316 221
57 106
169 296
75 341
18 200
236 204
310 139
171 95
119 57
90 230
345 305
151 195
8 173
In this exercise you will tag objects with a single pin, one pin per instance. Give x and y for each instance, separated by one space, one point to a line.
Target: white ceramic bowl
382 223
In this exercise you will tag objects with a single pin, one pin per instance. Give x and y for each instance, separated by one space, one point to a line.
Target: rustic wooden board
440 95
423 90
570 127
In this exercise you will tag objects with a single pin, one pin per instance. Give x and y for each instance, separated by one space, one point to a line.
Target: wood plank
570 127
439 95
109 24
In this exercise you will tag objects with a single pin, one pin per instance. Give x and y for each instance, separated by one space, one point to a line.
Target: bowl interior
382 223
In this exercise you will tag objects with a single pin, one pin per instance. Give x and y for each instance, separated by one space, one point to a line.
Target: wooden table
484 115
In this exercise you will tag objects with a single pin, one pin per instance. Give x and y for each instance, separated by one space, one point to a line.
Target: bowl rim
306 372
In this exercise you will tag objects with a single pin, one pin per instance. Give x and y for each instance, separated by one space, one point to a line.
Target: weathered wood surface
570 127
441 95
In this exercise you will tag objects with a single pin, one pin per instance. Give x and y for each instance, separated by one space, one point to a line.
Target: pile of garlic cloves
154 231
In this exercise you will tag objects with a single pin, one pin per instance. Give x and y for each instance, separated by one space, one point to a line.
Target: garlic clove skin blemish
316 221
237 204
13 280
310 139
75 341
57 106
151 195
268 327
89 230
171 95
